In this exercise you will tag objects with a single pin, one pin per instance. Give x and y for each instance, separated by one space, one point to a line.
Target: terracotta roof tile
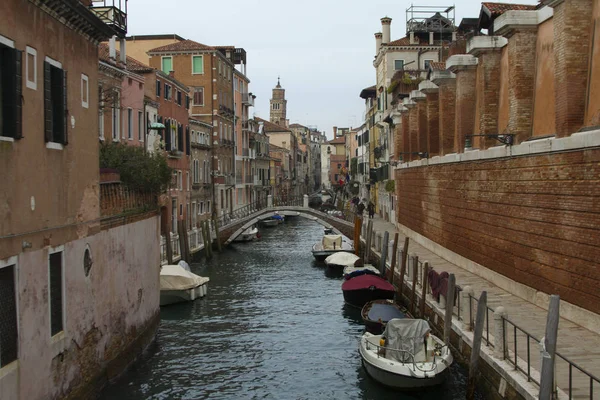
185 45
133 65
497 9
271 127
438 66
338 140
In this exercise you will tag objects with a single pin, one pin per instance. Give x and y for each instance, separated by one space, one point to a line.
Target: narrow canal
273 326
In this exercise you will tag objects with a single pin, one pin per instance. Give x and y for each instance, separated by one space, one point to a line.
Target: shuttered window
199 96
56 295
158 84
197 65
187 140
8 316
55 104
167 64
11 83
180 141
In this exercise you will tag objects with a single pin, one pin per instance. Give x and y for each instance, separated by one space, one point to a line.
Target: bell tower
278 105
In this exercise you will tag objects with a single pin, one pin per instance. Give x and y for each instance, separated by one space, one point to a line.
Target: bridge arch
308 213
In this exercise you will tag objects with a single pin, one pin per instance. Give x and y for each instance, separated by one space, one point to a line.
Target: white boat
329 245
406 355
351 271
248 235
341 260
177 285
269 222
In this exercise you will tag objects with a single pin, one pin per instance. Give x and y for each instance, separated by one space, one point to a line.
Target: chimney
334 132
377 42
430 37
412 38
172 74
385 28
112 48
123 52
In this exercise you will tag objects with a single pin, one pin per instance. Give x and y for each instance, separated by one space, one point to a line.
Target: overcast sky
322 49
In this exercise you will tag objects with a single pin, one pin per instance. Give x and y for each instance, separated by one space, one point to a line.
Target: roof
184 45
437 66
338 140
298 126
497 9
133 65
371 91
275 148
271 127
155 37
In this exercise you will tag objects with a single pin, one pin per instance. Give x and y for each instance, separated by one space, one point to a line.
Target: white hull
269 222
410 375
247 236
180 296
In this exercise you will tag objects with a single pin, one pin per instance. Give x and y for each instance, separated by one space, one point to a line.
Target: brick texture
488 96
534 219
433 124
572 29
413 133
464 121
447 109
521 71
405 148
116 198
422 140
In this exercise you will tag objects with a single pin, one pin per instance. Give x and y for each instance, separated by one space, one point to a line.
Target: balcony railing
112 13
247 99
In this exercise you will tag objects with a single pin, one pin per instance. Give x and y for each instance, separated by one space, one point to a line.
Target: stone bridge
233 229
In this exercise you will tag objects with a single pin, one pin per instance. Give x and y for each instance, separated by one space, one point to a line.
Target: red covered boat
364 288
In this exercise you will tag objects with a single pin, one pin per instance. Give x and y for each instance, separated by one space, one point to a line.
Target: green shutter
47 102
198 64
167 64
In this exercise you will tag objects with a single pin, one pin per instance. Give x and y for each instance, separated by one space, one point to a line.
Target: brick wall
464 121
433 124
521 71
534 219
116 198
571 56
413 129
422 139
404 148
447 109
488 96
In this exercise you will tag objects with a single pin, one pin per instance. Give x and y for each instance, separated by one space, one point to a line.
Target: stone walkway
579 345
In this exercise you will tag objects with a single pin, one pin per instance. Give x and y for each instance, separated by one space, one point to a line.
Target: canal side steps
511 368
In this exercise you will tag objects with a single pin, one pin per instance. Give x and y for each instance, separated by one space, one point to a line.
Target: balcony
248 99
113 13
245 152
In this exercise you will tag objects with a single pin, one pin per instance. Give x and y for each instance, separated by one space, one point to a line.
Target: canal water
273 326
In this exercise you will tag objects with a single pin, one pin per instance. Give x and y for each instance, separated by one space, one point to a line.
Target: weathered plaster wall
104 312
544 103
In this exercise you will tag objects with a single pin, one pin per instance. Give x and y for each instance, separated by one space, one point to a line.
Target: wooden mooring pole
424 288
169 247
449 308
216 223
384 251
403 268
549 351
477 334
207 239
357 230
367 253
415 273
393 262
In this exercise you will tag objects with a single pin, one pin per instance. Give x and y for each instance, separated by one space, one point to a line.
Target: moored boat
269 222
351 272
248 235
377 313
406 355
177 284
331 244
341 260
364 288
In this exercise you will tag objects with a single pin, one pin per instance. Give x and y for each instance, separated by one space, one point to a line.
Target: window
167 64
173 215
194 212
398 64
10 90
189 184
178 97
85 91
129 124
158 84
199 96
55 102
9 335
197 64
427 63
275 106
208 206
140 126
179 180
201 209
181 210
220 67
167 92
55 280
116 115
31 67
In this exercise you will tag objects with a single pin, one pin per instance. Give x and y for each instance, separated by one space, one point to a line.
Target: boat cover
342 258
384 312
174 277
360 270
406 335
184 265
366 282
332 242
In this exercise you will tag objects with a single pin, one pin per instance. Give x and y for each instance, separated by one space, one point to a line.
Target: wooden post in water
481 308
413 295
183 243
549 353
208 239
393 262
216 223
169 247
449 307
424 288
384 251
368 242
403 268
357 230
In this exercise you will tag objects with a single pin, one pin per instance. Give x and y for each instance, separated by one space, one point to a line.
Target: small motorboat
377 313
331 244
248 235
341 260
406 355
351 272
279 218
359 290
178 284
269 222
292 215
